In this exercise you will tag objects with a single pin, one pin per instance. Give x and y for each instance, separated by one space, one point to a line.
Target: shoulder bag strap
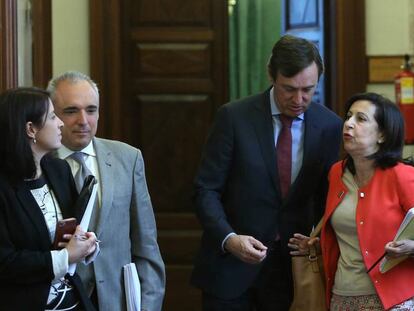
315 232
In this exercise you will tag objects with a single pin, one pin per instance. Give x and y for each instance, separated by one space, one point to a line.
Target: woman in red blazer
35 192
369 194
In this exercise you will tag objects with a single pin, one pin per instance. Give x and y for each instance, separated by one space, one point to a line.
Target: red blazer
382 205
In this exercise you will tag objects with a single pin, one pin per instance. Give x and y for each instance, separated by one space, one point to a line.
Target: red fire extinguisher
404 93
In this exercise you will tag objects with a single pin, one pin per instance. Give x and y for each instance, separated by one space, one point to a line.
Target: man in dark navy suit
254 189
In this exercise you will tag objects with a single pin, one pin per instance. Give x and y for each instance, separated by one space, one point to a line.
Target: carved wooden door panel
162 67
176 62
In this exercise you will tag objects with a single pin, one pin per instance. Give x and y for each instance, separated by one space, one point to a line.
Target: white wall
388 26
389 31
70 36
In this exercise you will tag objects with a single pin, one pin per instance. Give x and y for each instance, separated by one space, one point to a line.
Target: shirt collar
65 152
274 109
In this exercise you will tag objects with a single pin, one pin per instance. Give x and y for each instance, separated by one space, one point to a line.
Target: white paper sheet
86 218
132 287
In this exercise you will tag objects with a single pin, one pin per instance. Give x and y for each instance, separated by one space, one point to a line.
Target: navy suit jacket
237 188
26 269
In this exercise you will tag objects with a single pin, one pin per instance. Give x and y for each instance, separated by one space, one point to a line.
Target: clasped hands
80 245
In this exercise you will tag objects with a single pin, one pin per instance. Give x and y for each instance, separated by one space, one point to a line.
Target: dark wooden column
42 42
161 67
348 67
8 44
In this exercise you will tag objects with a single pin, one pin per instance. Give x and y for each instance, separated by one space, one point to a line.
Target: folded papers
405 232
132 287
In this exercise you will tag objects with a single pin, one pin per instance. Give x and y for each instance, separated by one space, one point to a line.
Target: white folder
86 218
132 287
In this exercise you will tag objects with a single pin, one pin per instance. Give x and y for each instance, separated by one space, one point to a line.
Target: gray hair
71 77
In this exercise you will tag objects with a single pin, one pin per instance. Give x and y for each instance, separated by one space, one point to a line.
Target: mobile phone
64 226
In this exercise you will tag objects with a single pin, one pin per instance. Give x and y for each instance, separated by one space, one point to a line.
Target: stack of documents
87 196
405 232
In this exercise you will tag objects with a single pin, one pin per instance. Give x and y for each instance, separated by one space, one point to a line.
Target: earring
34 140
380 141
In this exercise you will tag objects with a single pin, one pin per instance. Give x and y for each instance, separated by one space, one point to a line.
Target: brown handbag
308 279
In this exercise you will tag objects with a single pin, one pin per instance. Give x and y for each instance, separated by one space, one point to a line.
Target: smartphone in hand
64 226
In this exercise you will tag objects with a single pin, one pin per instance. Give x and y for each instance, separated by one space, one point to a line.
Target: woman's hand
81 244
300 244
93 236
396 249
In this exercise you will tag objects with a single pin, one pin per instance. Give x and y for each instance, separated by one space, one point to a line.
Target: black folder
84 196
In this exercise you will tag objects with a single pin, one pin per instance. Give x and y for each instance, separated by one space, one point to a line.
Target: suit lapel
54 183
30 207
262 120
106 174
313 134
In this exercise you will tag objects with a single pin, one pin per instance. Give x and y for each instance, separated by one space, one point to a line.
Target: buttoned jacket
381 207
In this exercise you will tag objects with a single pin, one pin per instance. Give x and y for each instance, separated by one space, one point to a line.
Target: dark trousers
272 290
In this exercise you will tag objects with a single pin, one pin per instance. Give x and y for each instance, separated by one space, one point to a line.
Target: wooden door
169 65
161 66
41 45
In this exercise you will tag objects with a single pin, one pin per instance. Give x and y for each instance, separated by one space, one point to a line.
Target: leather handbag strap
315 232
313 249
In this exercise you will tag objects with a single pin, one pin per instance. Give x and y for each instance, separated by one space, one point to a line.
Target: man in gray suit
123 217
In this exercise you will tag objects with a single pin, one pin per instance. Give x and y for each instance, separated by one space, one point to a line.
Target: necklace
52 195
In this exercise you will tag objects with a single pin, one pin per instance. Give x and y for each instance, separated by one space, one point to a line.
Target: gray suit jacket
126 226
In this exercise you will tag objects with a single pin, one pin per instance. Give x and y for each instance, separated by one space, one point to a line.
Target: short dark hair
17 107
290 55
390 123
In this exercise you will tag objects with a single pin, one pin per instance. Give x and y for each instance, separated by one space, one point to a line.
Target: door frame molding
42 43
8 44
105 65
348 69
